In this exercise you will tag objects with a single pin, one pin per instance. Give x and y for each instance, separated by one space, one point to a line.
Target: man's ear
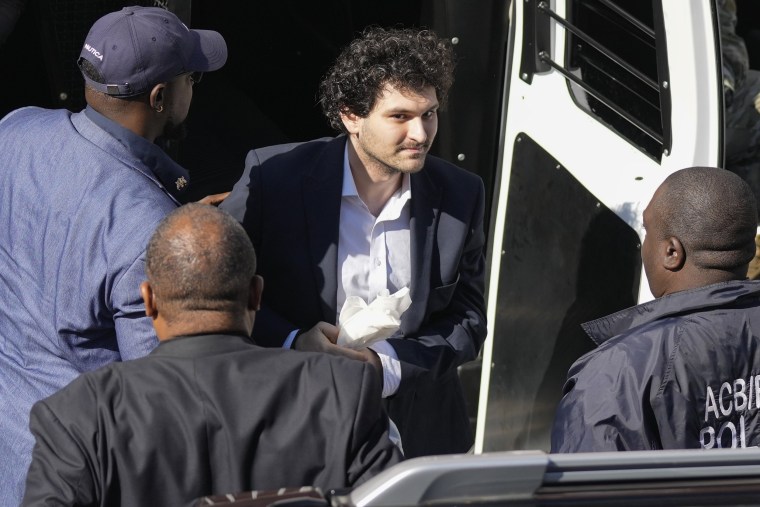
675 255
157 97
149 298
254 293
350 121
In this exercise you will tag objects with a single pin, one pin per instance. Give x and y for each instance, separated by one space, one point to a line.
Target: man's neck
696 278
374 184
204 322
134 116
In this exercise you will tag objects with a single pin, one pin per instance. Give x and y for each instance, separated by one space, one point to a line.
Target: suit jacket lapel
426 199
322 198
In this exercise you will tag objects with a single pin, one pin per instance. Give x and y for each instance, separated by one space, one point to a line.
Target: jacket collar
678 303
202 345
172 176
321 191
423 224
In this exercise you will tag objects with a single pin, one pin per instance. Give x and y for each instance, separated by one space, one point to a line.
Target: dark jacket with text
678 372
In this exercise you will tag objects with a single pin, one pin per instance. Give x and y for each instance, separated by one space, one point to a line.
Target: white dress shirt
374 253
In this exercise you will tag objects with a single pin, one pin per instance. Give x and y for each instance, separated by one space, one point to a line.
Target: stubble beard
392 170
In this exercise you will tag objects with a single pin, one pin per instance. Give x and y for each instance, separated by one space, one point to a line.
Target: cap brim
210 51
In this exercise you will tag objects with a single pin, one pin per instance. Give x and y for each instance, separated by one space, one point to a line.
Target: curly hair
405 58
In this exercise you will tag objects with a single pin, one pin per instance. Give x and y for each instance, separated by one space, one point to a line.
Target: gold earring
159 109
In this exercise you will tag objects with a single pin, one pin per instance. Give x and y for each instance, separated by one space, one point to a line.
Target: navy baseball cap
136 48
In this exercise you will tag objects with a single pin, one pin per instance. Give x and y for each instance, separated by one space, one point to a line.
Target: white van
603 100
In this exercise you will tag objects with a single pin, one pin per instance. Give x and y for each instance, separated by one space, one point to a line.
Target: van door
604 99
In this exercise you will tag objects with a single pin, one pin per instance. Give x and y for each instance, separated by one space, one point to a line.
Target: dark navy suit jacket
288 200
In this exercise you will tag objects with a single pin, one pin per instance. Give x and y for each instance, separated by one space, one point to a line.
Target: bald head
701 226
712 211
200 261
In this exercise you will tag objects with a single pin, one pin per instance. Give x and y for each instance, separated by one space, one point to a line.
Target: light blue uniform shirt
79 198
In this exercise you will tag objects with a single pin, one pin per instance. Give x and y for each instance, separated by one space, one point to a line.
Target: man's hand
322 338
214 199
372 358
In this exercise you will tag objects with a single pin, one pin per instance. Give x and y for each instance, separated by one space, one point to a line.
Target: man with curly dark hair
405 59
367 212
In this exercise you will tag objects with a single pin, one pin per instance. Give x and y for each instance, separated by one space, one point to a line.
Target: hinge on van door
536 39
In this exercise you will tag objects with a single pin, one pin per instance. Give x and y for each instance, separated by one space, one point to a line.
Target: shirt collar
683 302
349 185
172 176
